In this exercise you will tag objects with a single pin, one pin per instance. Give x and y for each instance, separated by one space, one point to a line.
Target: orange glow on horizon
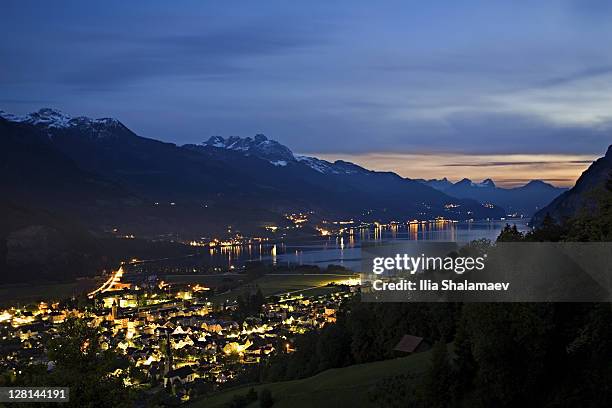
510 170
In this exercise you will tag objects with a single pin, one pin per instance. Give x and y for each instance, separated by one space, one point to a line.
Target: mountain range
68 182
518 201
99 172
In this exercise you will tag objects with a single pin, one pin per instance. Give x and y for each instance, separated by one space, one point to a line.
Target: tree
91 373
257 301
363 332
510 234
594 223
548 231
332 347
465 364
250 304
438 382
510 343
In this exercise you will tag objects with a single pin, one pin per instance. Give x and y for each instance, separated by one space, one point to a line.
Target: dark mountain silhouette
34 170
441 184
595 180
524 200
100 171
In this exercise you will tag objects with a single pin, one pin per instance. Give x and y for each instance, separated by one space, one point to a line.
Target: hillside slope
339 387
596 179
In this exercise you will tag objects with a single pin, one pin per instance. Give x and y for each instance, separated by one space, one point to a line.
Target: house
411 344
187 341
31 331
182 375
179 330
235 347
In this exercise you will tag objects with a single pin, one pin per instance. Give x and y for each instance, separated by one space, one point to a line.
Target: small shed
411 344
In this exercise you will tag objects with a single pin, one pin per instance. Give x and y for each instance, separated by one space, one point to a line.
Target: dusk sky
511 90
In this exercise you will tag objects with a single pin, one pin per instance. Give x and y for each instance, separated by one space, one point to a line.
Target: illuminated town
203 330
173 335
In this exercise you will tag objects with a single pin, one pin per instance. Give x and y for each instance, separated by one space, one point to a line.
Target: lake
338 250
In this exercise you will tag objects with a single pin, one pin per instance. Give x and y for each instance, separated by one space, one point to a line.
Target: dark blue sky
328 77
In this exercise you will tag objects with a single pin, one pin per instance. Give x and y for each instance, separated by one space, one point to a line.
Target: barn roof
408 343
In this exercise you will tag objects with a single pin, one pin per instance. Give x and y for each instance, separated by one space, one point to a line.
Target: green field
279 284
206 280
10 295
339 387
271 284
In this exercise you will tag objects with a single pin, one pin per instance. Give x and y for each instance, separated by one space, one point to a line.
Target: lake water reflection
346 250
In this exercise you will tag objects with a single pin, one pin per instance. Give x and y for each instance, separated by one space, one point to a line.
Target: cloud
528 133
27 101
466 132
516 163
560 170
111 56
587 73
326 77
214 55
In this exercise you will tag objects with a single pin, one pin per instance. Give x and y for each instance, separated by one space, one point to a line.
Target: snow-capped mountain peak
53 118
278 154
215 141
45 117
259 146
322 166
326 167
